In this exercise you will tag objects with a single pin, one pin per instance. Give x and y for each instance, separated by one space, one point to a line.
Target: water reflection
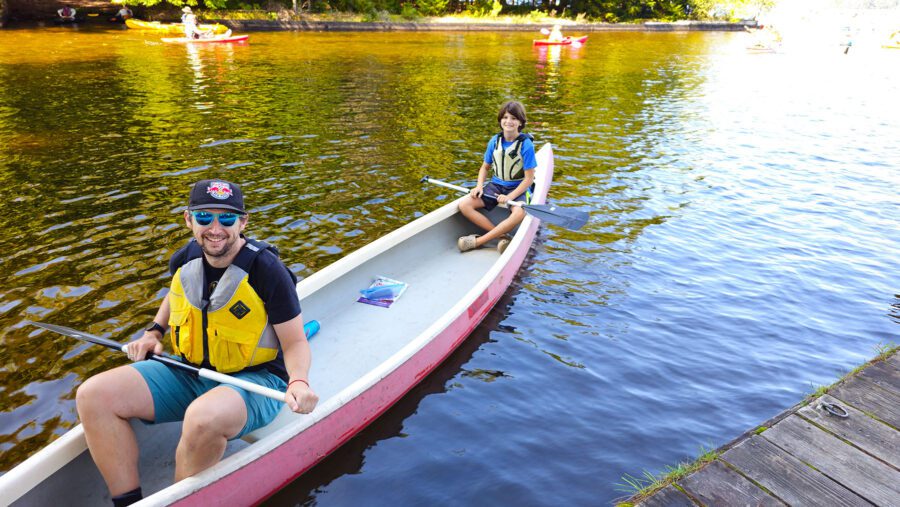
193 56
547 68
349 459
729 195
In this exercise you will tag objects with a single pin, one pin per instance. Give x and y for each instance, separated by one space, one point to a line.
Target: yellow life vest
231 330
508 164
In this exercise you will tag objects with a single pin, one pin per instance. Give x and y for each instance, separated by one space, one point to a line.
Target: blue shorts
173 390
492 188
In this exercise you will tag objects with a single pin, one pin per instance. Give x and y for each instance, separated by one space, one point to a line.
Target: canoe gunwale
21 479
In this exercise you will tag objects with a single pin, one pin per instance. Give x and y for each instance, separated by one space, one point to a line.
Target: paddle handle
467 190
243 384
446 185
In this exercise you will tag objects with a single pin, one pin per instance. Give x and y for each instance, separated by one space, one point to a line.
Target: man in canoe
232 307
510 161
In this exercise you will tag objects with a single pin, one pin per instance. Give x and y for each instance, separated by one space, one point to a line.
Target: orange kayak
565 42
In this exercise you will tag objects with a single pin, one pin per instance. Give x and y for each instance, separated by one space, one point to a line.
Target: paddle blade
545 31
568 218
74 333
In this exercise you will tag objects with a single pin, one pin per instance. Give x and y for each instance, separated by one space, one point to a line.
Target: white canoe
365 358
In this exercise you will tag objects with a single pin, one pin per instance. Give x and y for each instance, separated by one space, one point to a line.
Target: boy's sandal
503 243
466 243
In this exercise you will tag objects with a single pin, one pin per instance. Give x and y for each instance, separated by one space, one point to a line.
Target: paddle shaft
467 190
568 218
310 329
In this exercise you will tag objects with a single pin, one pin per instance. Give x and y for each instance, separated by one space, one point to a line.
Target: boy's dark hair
516 109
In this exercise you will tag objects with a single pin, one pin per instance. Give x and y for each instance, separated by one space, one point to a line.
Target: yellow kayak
170 28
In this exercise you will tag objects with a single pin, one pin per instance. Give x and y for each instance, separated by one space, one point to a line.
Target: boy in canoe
510 161
232 307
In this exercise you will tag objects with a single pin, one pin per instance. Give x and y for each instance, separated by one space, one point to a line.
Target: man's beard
226 249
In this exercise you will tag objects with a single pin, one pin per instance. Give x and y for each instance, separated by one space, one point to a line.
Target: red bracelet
298 380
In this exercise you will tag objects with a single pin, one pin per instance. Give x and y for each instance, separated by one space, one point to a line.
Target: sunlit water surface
742 247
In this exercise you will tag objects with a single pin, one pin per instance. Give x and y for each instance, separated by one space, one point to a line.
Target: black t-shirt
271 280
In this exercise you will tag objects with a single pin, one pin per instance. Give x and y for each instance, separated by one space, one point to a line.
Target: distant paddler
765 38
191 31
67 13
556 34
123 14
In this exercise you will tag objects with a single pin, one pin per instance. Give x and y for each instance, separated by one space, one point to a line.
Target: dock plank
870 398
854 469
808 456
667 497
874 437
884 375
786 476
716 484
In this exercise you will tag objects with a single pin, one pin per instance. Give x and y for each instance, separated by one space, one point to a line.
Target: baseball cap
216 194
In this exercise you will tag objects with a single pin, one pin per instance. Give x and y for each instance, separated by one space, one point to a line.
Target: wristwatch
156 327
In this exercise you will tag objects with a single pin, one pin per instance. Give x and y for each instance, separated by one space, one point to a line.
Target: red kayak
565 42
218 38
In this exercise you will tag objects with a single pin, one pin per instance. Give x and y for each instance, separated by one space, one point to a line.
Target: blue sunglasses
205 218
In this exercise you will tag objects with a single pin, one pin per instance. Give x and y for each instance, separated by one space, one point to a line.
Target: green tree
432 7
210 4
597 10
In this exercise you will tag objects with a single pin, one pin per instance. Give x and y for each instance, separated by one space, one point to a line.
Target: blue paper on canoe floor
383 292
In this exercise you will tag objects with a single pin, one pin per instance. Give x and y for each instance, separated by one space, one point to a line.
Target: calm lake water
742 247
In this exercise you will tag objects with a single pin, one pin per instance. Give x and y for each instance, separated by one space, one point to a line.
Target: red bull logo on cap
219 190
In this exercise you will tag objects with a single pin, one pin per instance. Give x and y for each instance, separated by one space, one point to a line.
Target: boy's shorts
495 189
173 390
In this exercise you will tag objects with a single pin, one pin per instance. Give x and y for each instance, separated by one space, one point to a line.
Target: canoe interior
79 483
354 339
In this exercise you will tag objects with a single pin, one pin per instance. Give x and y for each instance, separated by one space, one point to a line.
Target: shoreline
257 25
18 12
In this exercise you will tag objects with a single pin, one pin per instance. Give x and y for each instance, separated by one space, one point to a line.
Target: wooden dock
842 448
